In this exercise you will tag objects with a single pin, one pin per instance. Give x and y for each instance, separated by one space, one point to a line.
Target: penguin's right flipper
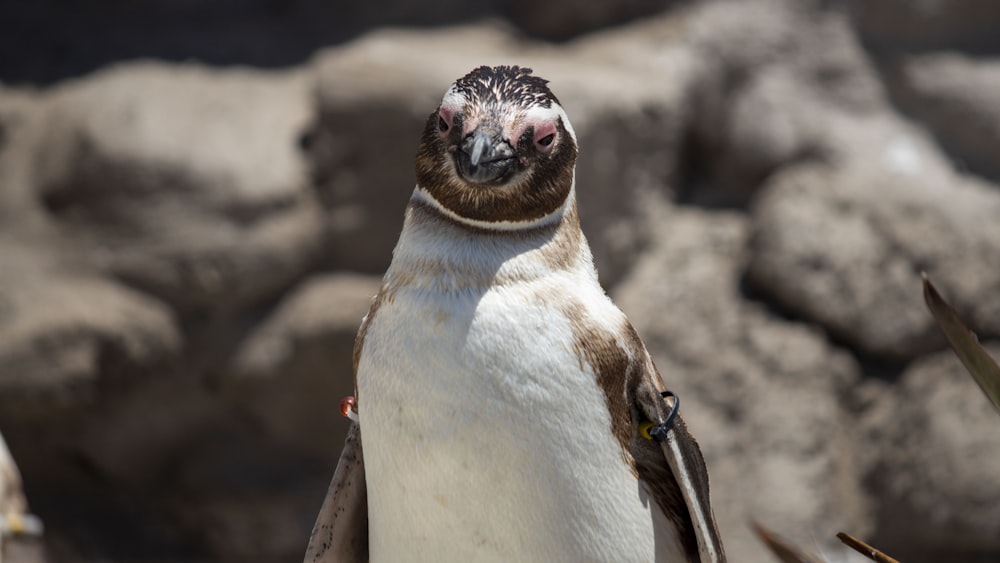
340 534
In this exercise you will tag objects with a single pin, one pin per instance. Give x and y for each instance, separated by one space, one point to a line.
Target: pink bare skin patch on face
544 133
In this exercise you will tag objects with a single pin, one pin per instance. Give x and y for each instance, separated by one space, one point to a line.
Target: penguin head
499 150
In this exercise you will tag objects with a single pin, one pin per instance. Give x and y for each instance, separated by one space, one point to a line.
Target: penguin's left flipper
670 464
340 534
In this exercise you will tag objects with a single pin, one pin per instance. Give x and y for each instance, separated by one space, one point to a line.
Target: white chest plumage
486 435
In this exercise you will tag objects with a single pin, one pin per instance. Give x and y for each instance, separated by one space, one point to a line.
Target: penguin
506 409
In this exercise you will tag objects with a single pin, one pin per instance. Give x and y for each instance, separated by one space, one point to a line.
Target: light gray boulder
844 247
187 182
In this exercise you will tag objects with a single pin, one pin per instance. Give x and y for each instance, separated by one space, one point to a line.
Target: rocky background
197 200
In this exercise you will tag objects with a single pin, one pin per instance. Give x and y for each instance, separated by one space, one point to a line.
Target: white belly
486 437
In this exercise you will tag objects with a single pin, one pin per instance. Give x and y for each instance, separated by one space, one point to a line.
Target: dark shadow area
893 26
46 41
923 545
169 515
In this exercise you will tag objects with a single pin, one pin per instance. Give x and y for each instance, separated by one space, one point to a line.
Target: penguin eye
545 136
446 119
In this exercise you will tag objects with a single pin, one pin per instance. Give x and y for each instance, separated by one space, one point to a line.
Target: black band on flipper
659 432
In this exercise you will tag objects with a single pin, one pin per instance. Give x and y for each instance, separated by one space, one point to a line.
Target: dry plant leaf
965 344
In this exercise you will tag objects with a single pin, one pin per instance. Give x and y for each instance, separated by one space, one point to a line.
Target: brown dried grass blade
865 549
781 548
965 344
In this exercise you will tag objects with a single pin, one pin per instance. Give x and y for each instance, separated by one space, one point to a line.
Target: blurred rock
927 24
21 117
953 95
761 394
932 445
187 181
25 551
560 20
292 371
770 76
68 335
362 146
844 247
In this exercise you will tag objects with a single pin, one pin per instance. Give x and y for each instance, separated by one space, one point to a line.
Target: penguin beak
484 156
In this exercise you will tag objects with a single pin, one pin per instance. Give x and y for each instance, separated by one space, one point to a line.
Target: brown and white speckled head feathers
499 151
